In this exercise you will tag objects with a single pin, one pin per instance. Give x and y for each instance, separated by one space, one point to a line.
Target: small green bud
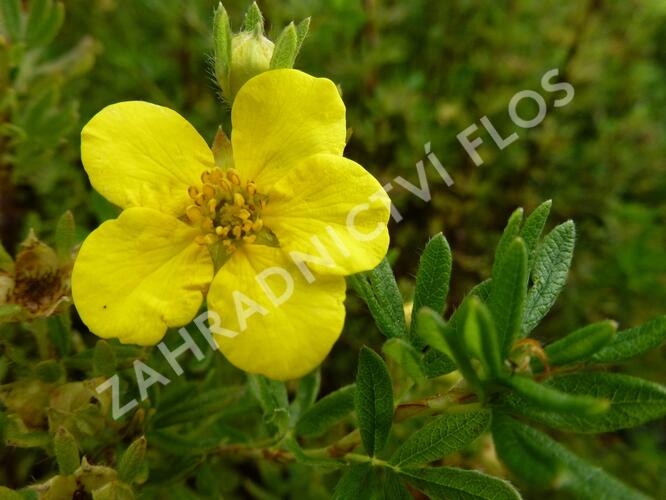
251 54
246 54
66 451
131 463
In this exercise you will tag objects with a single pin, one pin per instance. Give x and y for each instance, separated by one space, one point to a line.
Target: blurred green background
411 73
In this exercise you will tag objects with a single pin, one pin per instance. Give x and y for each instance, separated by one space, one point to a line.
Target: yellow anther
239 201
225 184
208 225
236 231
200 200
193 192
250 238
210 238
251 188
222 231
244 214
200 239
216 175
247 226
212 204
232 175
258 224
208 191
193 213
205 177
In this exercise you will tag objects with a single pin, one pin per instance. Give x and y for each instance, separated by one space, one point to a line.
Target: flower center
225 210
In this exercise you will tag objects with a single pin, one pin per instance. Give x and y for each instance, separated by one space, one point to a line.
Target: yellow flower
291 219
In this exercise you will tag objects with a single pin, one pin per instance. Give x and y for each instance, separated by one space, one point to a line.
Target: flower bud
251 54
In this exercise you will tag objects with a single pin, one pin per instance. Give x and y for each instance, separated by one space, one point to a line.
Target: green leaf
44 22
406 356
581 344
548 398
64 236
301 457
541 468
10 18
131 462
49 371
440 437
432 280
436 364
7 494
448 339
104 359
481 338
373 400
358 481
394 489
430 328
575 475
306 394
196 407
6 261
10 312
66 451
451 483
222 46
507 296
531 231
633 342
253 17
380 292
551 266
327 411
273 399
453 333
60 334
286 48
633 402
511 231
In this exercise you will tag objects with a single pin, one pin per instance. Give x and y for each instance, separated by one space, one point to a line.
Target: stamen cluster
226 210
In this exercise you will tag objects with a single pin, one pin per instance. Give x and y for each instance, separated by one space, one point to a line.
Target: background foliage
411 73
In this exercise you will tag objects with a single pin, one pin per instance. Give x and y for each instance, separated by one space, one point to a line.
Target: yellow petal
138 154
281 335
139 274
280 117
331 208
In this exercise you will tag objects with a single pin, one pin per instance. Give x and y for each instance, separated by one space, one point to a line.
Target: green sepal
253 19
286 48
